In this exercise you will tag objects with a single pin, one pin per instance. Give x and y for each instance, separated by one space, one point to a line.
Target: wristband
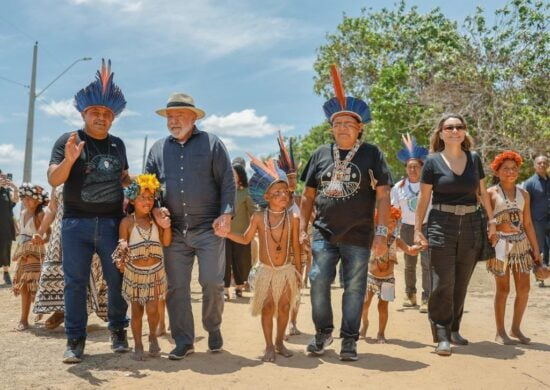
381 230
492 221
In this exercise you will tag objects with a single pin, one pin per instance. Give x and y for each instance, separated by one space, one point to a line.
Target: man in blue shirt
195 173
538 187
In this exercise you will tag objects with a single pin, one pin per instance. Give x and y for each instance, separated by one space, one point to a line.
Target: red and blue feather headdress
265 175
286 156
101 92
341 103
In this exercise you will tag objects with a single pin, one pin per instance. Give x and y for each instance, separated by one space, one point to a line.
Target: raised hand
72 149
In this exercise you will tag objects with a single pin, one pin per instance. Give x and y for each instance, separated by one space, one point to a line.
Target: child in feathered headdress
380 278
276 281
139 255
28 256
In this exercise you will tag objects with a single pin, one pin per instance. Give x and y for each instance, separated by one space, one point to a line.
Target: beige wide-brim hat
178 101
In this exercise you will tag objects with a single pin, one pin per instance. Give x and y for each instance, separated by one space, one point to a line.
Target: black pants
455 243
238 258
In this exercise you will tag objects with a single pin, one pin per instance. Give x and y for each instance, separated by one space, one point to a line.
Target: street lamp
27 169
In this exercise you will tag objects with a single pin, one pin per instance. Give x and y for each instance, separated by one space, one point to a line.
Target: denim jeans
454 245
179 258
81 237
355 261
542 230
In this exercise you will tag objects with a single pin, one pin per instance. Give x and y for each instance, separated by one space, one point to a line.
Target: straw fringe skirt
28 260
518 258
144 284
273 282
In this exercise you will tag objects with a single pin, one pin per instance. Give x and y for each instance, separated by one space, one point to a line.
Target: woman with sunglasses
454 175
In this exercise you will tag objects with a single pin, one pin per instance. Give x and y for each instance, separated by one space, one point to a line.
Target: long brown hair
437 144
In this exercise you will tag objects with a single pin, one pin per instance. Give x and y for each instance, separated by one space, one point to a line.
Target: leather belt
458 209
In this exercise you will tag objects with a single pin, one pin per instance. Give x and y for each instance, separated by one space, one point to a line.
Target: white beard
180 133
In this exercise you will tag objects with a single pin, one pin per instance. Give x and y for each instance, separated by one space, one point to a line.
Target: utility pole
144 151
27 169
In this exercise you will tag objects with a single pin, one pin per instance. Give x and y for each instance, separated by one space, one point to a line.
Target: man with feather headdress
93 165
344 180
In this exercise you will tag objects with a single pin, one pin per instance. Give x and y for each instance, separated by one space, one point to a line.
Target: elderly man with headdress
404 195
344 180
195 172
93 165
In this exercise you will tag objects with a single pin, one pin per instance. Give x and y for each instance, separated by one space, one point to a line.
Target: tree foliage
413 67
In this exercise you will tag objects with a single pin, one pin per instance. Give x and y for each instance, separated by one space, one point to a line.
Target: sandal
239 292
54 320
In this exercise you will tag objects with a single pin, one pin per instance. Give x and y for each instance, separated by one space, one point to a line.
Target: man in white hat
195 172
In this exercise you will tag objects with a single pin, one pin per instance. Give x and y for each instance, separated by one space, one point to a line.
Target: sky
247 63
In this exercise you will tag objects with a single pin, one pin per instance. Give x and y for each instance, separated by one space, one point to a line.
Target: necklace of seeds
266 224
271 228
144 233
512 206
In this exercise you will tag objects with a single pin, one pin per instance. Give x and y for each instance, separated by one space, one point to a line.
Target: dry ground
32 359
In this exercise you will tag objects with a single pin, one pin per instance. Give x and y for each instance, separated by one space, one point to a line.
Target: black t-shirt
447 186
94 187
347 218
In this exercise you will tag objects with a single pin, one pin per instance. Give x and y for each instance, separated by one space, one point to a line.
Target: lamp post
27 169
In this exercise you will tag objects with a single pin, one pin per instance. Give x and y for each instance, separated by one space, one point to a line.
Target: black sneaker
74 351
318 344
215 341
119 341
349 350
181 351
7 278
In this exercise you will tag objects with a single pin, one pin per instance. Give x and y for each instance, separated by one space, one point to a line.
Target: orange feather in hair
105 73
338 86
269 168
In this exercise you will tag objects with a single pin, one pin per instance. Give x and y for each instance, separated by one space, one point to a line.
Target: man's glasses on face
345 125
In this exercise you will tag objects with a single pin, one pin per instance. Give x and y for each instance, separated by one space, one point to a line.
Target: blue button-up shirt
196 179
539 194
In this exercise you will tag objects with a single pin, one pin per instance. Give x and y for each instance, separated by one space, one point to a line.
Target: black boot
443 345
457 339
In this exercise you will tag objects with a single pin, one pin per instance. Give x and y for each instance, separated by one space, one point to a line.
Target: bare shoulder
523 192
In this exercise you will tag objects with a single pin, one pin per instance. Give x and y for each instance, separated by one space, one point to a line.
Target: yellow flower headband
146 181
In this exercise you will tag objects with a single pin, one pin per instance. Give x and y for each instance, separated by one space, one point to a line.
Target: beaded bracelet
381 230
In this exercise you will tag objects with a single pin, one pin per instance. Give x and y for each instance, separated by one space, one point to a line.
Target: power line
14 82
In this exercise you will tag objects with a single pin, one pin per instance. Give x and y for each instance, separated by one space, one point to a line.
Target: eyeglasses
452 127
345 125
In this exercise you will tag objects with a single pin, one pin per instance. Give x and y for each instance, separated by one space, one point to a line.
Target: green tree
413 67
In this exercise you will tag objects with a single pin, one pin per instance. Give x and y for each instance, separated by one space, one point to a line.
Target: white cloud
297 64
230 144
215 28
242 124
9 154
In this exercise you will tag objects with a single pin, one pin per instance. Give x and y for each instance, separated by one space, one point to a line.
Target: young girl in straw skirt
516 250
139 255
28 256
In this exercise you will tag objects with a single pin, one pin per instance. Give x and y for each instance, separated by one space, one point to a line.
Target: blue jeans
542 230
81 237
355 261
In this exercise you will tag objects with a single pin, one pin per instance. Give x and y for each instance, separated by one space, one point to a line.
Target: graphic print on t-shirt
343 186
102 182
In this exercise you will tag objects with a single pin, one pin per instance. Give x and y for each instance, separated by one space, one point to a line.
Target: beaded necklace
286 217
336 186
512 206
144 233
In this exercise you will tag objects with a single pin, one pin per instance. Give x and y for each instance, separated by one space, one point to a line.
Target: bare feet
161 330
154 348
282 350
269 354
138 353
520 336
363 331
22 326
54 320
38 318
503 339
380 339
293 330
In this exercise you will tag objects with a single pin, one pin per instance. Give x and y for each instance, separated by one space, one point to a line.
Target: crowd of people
110 242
